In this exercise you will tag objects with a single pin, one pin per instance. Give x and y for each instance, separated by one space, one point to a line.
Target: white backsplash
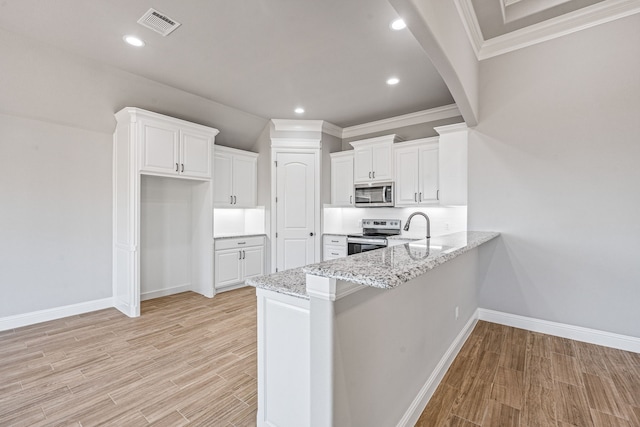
229 222
444 220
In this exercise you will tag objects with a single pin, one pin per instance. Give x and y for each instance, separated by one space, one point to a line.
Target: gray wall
55 220
553 165
56 125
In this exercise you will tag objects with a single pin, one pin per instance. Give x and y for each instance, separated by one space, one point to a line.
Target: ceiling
331 57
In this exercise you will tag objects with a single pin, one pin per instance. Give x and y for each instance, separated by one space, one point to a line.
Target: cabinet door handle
350 200
415 197
420 197
176 167
438 195
230 200
182 167
235 200
243 255
374 174
239 254
369 175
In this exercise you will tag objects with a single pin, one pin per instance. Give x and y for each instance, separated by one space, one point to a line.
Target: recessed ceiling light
299 110
133 41
393 81
398 24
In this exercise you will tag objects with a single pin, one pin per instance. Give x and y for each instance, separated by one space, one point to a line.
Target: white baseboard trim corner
414 411
577 333
31 318
165 292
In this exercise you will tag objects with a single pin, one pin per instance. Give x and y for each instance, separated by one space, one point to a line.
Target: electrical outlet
457 312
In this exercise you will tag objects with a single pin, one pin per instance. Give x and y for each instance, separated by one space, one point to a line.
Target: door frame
295 146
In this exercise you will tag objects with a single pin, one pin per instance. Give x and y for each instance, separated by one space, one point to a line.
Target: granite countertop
238 236
290 282
384 268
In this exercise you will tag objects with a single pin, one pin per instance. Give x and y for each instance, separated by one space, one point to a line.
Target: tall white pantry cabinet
154 145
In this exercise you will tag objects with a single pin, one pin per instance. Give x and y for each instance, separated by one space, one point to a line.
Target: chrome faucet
406 226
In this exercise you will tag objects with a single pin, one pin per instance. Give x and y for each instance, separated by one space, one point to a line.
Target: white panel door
382 162
362 161
252 262
222 178
407 165
160 148
228 267
295 210
195 158
244 181
428 174
342 181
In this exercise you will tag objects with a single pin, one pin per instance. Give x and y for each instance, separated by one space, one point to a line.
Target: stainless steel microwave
374 195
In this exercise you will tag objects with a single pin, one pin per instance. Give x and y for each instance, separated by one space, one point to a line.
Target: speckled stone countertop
238 236
290 282
384 268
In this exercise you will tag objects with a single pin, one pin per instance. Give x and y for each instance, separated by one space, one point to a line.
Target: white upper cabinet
235 178
173 147
373 160
342 178
452 158
417 175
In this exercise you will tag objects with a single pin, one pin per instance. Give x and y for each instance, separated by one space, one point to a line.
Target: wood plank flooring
190 360
187 360
507 377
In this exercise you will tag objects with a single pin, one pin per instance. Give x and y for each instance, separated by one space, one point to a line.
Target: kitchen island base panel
373 356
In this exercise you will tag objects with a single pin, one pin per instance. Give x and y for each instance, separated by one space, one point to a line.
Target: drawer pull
242 243
334 253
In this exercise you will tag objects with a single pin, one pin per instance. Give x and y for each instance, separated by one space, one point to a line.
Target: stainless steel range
374 235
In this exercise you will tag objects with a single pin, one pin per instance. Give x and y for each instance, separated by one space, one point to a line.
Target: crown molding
587 17
418 117
331 129
297 125
296 143
456 127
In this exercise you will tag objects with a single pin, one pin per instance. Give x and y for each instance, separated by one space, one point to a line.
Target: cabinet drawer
335 240
239 242
334 252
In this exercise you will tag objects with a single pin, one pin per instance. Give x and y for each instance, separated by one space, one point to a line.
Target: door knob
311 234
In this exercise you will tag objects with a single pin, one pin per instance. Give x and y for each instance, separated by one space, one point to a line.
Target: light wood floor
192 360
187 360
506 377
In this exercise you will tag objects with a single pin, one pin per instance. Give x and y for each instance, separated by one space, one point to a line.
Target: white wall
55 219
165 234
553 165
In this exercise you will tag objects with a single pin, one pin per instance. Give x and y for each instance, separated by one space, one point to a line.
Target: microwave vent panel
158 22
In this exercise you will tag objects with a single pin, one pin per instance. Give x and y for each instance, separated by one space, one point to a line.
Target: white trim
577 333
587 17
306 143
393 138
412 414
165 292
419 117
224 149
297 125
331 129
457 127
231 287
25 319
471 25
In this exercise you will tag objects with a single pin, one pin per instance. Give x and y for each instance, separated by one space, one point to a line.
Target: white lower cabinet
334 247
237 259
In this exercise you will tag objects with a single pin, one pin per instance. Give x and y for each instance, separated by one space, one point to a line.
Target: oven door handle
363 241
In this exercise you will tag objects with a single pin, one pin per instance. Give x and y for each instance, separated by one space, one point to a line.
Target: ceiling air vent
158 22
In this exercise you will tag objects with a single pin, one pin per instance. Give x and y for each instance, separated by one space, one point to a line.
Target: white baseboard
414 411
230 287
26 319
165 292
578 333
